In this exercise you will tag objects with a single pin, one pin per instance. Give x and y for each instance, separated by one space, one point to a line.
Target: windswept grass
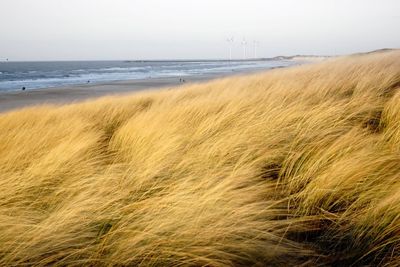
299 166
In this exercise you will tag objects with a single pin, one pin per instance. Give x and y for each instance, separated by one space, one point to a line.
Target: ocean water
34 75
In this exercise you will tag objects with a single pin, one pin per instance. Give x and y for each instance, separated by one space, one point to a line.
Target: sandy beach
63 95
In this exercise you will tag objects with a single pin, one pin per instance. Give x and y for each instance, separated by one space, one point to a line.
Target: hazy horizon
48 30
190 59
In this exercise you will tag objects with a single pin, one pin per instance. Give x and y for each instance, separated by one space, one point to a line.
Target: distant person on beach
23 88
88 81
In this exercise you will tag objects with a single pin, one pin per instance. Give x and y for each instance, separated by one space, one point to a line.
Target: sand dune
289 167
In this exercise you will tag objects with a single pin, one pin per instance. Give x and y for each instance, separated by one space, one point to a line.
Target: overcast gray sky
169 29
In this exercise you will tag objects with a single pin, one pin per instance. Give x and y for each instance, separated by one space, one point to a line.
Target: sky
193 29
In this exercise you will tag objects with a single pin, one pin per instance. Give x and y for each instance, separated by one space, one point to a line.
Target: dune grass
299 166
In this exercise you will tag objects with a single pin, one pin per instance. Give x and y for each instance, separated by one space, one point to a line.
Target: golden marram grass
299 166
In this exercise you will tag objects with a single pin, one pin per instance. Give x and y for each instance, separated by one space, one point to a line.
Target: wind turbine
230 43
244 44
256 44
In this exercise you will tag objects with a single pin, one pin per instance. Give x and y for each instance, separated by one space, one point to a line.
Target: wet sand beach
18 99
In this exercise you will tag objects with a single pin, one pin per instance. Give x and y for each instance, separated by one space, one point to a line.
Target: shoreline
14 100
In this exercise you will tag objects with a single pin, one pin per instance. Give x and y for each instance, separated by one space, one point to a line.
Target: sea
35 75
